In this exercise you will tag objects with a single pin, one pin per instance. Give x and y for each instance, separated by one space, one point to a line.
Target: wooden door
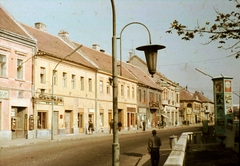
55 123
68 122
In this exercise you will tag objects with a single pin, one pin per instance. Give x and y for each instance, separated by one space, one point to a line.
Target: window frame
3 65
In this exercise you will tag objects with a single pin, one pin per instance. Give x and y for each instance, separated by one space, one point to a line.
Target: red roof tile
104 61
56 47
8 23
141 76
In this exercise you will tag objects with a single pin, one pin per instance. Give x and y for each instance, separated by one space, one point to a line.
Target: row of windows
152 96
167 95
3 67
81 86
64 79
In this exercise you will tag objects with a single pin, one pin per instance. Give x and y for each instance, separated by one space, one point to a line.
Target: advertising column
222 89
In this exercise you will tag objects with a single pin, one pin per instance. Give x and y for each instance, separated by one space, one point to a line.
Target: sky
90 22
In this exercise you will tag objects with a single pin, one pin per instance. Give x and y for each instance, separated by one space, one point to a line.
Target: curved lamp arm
150 40
53 85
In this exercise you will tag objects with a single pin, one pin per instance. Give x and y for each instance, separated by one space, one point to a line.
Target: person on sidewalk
119 126
144 125
90 127
154 143
111 126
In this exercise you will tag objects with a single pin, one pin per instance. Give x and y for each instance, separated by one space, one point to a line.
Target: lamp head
151 56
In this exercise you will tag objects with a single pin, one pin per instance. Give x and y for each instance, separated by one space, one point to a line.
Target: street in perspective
92 150
121 83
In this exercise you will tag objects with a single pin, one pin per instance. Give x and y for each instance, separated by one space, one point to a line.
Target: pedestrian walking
154 143
111 126
90 127
143 123
119 126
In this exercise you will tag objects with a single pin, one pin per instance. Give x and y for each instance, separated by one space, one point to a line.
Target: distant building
195 107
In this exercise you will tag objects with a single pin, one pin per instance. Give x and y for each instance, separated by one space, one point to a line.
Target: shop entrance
80 122
67 122
18 123
55 122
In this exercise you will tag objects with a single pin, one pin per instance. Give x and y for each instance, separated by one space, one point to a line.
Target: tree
226 28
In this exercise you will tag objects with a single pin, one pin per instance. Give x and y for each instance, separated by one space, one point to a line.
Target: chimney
96 47
63 34
41 26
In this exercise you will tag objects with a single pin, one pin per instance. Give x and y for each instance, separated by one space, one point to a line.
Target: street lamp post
53 86
151 57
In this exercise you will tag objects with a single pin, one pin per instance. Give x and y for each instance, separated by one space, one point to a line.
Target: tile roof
131 59
185 95
8 23
104 61
197 96
56 47
141 76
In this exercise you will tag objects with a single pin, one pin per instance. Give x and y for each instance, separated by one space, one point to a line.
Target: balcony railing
154 104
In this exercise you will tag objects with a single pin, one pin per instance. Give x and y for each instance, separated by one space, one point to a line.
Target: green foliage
225 28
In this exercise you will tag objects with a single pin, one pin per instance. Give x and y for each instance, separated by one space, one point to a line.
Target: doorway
55 122
67 122
18 114
80 122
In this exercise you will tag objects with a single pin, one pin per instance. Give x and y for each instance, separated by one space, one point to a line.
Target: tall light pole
53 86
151 57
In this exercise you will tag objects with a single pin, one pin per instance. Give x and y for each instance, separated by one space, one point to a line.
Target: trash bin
173 141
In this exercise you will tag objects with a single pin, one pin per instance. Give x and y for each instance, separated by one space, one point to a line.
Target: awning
165 116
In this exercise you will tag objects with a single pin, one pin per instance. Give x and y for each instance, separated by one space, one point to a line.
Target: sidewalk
23 141
56 138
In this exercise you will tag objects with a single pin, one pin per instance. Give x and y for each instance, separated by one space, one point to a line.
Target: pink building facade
16 53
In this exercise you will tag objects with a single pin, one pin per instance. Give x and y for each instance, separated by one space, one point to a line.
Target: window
73 81
55 77
144 96
42 120
108 88
122 90
101 86
3 65
19 69
42 75
164 94
64 80
128 91
133 93
90 84
80 120
177 98
140 95
82 83
151 99
101 119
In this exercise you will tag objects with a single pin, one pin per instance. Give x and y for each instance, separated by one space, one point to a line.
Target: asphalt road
89 151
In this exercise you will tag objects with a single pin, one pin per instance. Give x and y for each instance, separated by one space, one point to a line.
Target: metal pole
150 40
115 145
53 86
